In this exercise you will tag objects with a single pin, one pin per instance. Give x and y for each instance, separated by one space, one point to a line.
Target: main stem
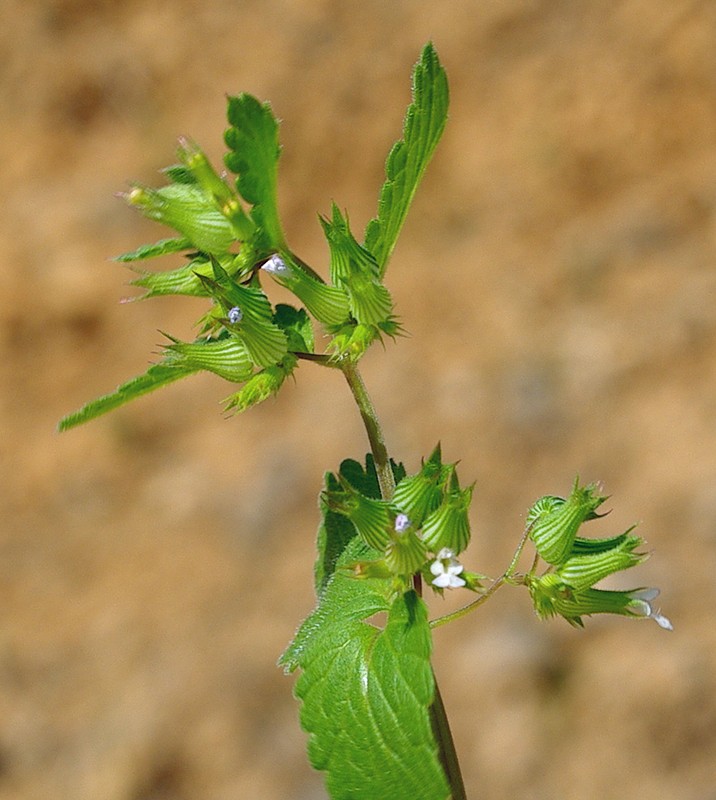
386 480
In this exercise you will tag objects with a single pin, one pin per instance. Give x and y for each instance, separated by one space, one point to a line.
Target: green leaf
253 140
366 692
155 377
160 248
335 531
409 157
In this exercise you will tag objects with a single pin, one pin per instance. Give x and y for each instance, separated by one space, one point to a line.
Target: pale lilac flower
447 569
235 315
275 265
402 523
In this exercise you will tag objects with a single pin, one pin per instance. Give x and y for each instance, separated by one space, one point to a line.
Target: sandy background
557 278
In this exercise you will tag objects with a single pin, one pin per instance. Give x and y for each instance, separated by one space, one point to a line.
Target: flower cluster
422 529
576 564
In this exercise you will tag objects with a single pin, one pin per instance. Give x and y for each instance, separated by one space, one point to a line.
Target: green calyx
554 522
328 304
581 571
551 596
421 494
355 270
187 209
449 526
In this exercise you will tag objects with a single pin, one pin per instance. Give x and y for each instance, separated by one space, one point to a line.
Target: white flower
275 265
643 598
402 523
447 569
235 315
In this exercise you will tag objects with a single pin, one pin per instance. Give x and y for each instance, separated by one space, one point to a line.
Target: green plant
369 697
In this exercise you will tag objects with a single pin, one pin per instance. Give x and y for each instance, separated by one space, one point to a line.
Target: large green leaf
424 123
253 140
366 692
155 377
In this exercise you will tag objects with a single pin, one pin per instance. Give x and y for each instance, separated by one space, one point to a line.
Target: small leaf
366 692
424 123
253 139
155 377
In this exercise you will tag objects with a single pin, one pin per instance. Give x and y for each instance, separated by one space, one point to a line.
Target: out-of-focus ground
558 279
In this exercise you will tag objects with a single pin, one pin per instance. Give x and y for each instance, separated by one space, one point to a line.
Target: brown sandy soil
557 278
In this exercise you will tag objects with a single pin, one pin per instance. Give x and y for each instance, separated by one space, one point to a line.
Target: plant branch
506 577
438 716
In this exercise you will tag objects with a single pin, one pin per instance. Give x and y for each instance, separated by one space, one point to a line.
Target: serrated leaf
366 692
160 248
253 139
334 534
155 377
424 123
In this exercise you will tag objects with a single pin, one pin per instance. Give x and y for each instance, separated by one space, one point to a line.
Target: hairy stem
438 717
373 429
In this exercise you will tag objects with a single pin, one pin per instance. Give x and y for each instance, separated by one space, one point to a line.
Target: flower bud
554 522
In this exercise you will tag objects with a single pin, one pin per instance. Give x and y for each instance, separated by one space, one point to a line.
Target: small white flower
235 315
644 597
447 569
275 265
402 523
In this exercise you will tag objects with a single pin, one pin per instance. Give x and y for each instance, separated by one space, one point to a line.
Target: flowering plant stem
370 701
438 715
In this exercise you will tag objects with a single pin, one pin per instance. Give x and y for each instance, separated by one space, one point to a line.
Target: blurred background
557 279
